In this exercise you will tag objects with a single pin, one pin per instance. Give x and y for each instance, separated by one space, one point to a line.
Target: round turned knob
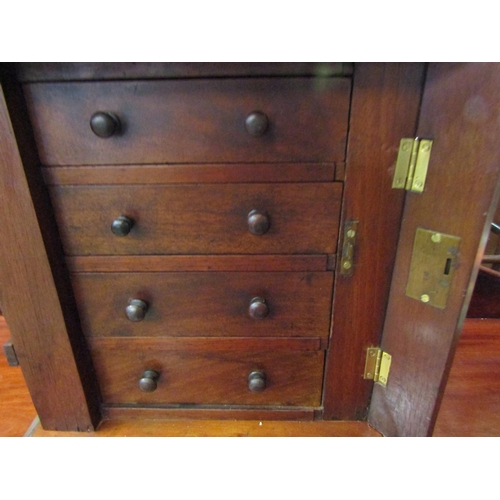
104 124
258 308
257 381
148 382
256 123
122 225
258 223
136 310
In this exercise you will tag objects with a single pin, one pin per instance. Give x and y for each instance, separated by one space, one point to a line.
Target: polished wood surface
198 219
50 71
460 198
385 103
191 121
149 263
469 407
205 304
206 173
45 333
232 412
207 428
210 378
471 401
212 344
16 407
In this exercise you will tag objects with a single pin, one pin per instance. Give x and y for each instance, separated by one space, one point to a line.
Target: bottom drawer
210 378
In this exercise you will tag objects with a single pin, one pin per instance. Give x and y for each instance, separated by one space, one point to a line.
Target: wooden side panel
461 112
385 105
55 364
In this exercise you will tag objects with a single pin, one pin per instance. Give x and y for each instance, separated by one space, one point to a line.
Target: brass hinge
412 164
10 354
377 366
350 237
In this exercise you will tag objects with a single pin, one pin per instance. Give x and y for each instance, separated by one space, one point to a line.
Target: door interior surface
460 112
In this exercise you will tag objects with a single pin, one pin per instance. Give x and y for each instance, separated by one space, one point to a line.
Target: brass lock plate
433 264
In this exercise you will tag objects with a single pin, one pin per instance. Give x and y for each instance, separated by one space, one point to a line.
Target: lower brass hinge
377 366
412 164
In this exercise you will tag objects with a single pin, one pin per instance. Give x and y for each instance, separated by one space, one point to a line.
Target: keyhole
447 267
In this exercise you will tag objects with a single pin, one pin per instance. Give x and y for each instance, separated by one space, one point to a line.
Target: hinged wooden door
461 113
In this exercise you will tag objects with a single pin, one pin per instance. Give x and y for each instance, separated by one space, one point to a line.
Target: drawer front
210 378
199 219
205 304
191 121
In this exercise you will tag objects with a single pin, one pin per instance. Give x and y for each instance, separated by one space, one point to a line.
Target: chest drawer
199 219
191 121
208 378
248 304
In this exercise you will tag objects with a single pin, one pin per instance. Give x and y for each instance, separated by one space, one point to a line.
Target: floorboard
16 409
470 407
471 402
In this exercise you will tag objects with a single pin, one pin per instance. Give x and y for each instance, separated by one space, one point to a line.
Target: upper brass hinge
377 366
412 164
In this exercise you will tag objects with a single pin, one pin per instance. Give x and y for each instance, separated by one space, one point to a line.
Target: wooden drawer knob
136 310
148 382
122 225
104 124
256 123
257 381
258 223
258 308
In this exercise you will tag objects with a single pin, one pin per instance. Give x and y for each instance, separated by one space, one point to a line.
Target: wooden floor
471 405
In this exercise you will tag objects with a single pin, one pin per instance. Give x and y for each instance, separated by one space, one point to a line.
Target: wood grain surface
205 428
460 198
198 219
182 174
202 344
16 407
52 71
210 378
385 104
471 401
36 298
174 263
205 304
191 121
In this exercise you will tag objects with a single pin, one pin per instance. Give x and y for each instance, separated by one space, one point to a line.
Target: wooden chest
192 224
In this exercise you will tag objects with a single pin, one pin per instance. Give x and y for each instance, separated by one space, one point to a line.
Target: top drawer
192 121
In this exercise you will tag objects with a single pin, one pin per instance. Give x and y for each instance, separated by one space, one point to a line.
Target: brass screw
436 238
425 298
351 233
418 183
405 147
425 148
347 265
